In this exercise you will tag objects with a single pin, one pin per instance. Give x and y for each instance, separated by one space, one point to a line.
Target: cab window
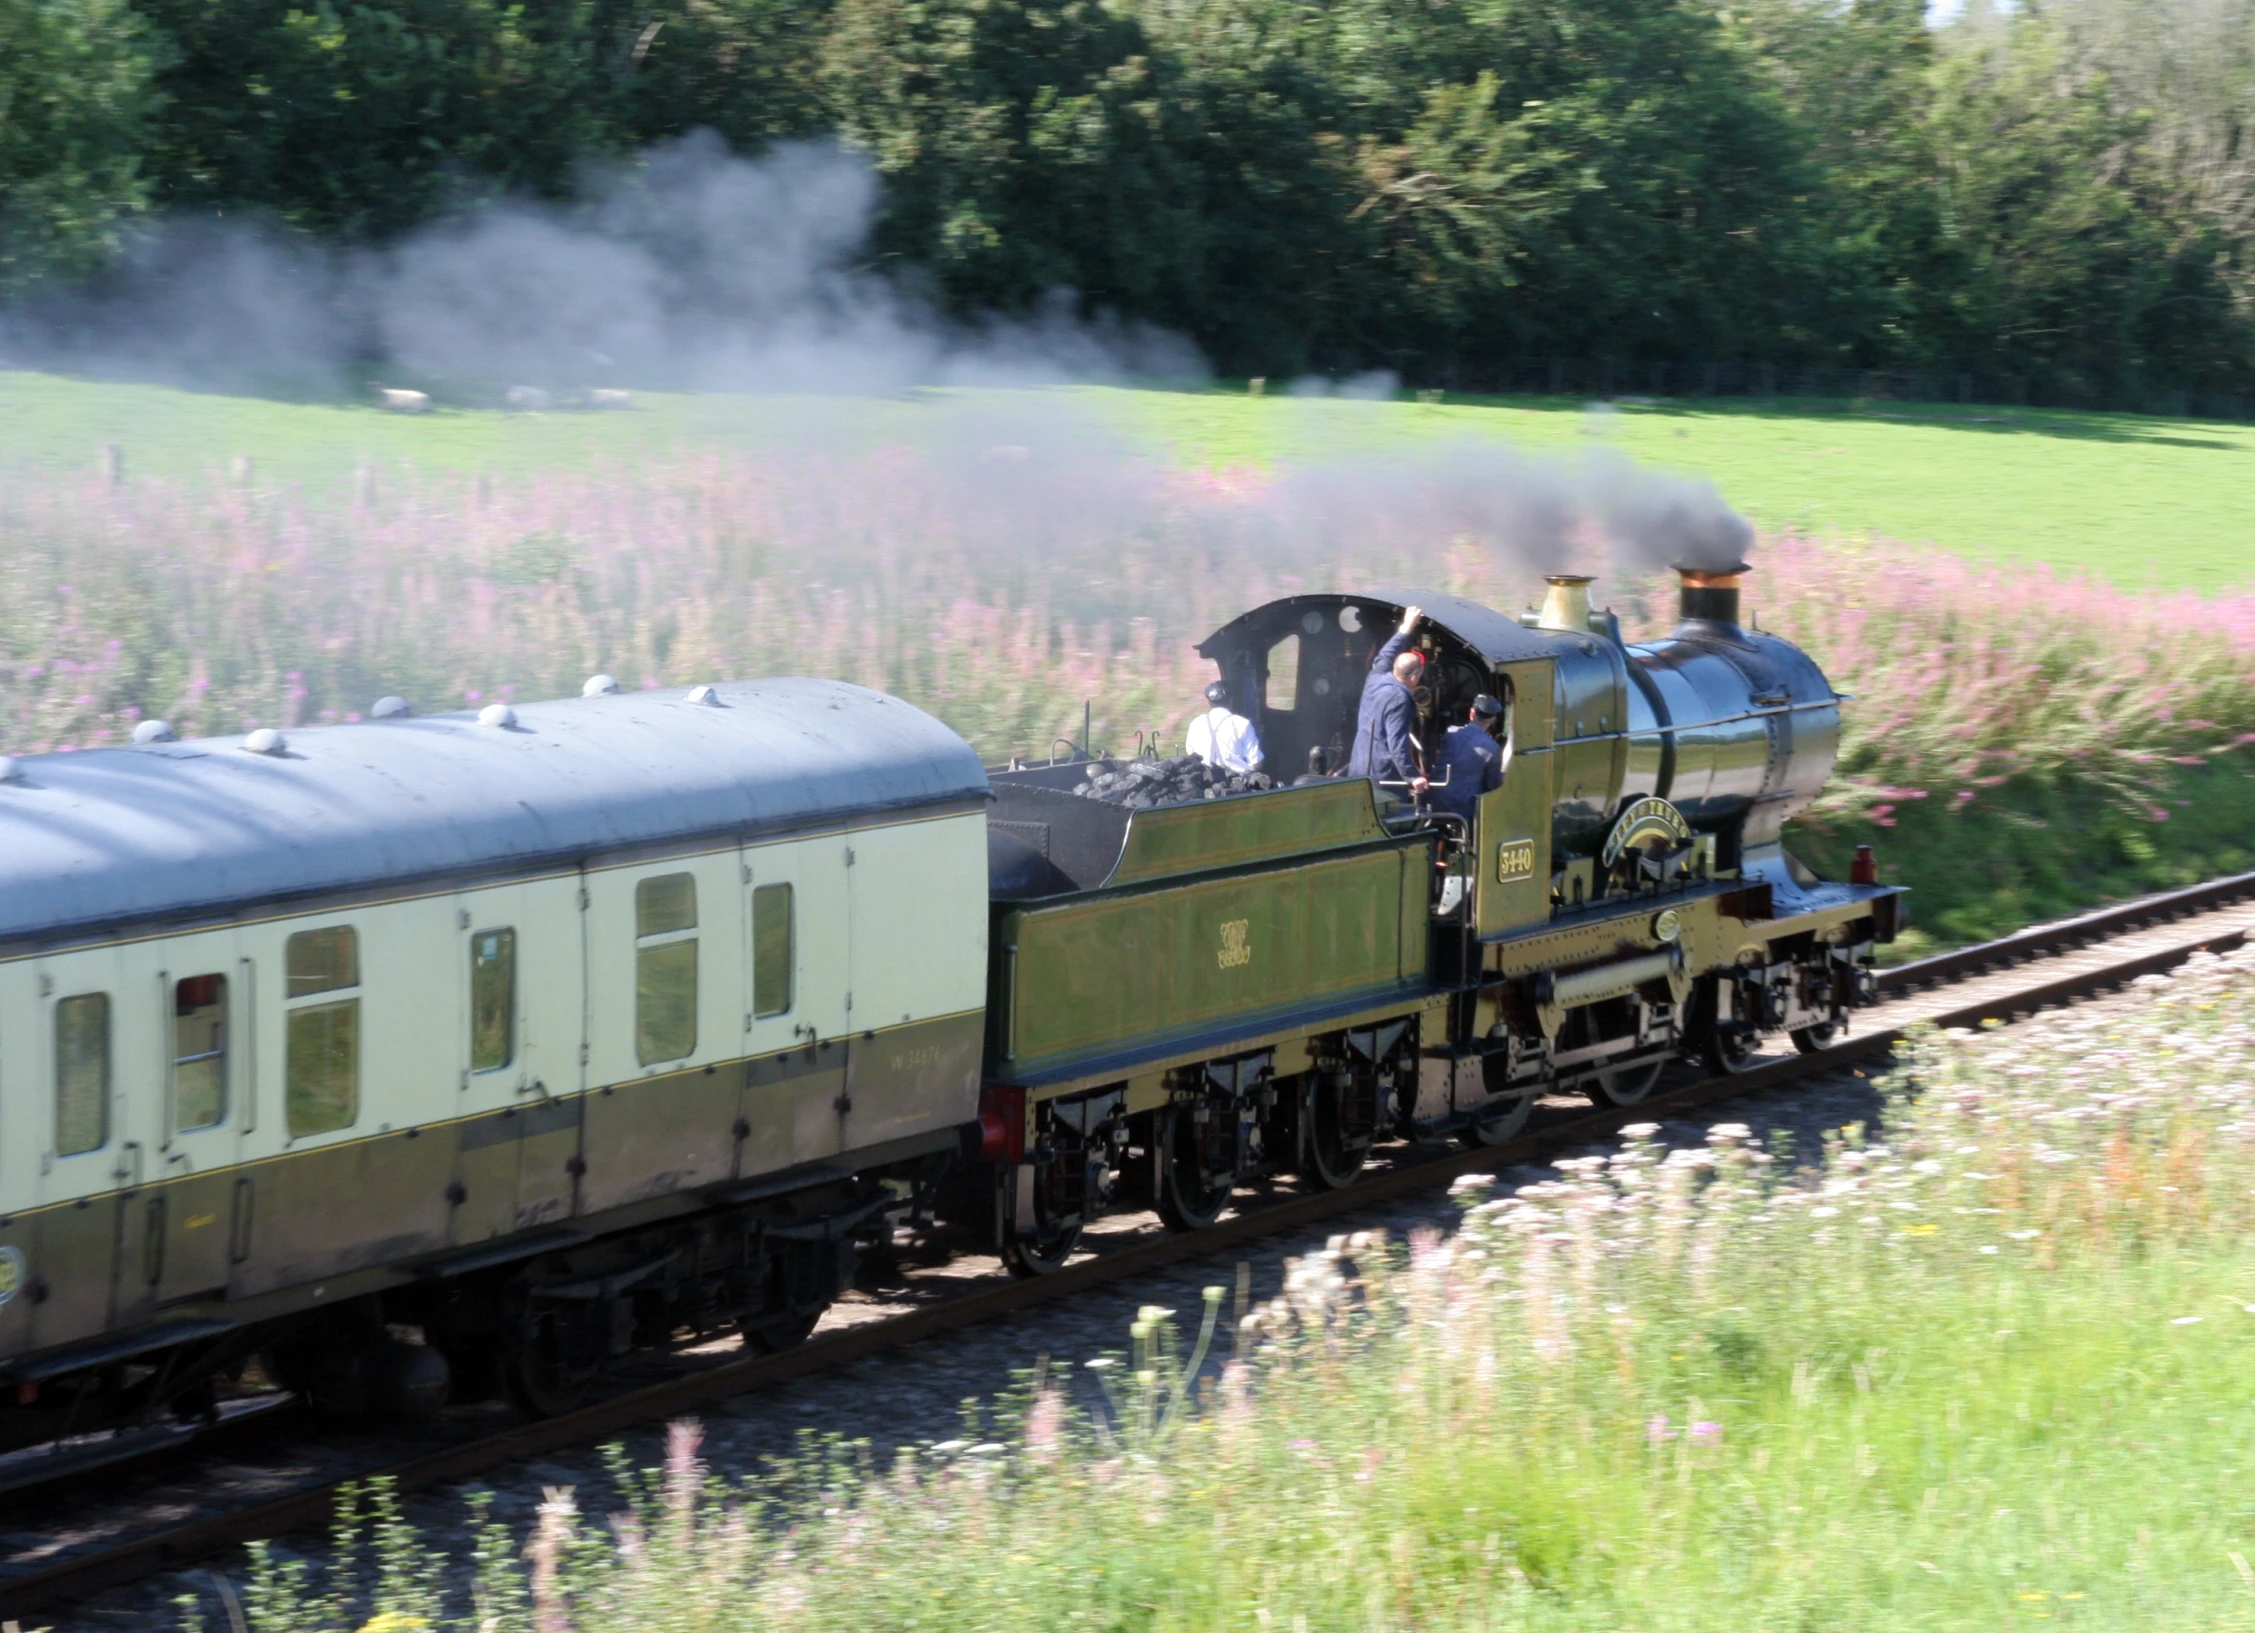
321 1031
1283 675
82 1073
665 968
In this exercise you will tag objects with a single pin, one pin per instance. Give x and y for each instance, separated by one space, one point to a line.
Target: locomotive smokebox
1709 604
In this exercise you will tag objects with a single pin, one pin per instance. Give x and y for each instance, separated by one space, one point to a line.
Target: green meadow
2143 502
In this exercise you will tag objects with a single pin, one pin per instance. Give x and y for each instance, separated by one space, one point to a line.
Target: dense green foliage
74 106
2058 195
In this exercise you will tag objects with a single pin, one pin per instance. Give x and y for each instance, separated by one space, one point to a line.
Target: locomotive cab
1301 663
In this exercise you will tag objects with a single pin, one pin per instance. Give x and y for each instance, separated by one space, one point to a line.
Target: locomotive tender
446 1054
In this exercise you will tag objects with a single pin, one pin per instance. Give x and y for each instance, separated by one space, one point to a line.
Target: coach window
493 1000
82 1073
199 1052
771 949
665 968
321 1044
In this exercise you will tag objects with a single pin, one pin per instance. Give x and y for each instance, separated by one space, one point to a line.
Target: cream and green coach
548 1029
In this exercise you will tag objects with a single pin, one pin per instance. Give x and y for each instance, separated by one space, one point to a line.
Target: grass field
2139 501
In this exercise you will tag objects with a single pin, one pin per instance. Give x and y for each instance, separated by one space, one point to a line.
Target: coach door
89 1156
796 1003
520 988
199 1071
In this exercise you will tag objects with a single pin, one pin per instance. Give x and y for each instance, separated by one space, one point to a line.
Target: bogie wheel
1626 1085
1335 1155
1815 1040
1189 1199
533 1372
772 1335
1724 1051
1038 1246
1505 1123
1504 1116
1726 1054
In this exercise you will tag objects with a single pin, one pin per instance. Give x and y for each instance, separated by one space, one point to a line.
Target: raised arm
1384 658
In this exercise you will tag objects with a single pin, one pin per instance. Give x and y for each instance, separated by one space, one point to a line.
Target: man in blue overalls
1383 748
1471 762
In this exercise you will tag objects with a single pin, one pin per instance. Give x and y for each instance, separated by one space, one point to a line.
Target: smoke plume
693 269
698 270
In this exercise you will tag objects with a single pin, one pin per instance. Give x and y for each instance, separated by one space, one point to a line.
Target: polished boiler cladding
432 1058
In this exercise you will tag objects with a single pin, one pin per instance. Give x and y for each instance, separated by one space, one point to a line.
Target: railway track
1995 981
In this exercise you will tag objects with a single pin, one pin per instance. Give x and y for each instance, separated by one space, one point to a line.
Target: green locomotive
1187 996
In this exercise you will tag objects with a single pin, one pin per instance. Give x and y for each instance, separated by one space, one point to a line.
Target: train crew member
1471 761
1222 737
1384 750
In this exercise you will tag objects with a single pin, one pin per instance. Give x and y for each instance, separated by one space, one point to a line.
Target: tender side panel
1102 974
1213 834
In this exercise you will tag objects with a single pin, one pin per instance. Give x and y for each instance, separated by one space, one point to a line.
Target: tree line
2061 193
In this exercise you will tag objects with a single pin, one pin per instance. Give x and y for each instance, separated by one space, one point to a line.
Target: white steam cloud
698 270
692 270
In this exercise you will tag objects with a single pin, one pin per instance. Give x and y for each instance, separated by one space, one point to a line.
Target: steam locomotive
434 1057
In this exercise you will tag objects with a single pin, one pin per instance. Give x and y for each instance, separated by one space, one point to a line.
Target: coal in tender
1139 785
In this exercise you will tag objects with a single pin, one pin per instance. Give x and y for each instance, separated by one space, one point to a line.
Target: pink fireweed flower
1656 1430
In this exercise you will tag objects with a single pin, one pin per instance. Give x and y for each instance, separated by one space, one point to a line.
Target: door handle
239 1228
152 1241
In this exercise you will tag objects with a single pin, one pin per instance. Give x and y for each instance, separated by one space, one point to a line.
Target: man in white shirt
1223 738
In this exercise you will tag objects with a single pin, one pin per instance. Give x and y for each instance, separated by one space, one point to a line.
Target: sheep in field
603 397
401 402
526 399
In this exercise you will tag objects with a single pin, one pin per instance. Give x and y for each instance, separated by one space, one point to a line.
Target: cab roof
1498 639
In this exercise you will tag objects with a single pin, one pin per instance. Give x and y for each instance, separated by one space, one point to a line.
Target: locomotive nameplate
1648 818
1515 859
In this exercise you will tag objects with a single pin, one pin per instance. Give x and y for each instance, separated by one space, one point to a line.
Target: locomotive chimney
1710 597
1565 605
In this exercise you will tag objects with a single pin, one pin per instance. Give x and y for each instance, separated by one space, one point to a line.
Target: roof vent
599 686
390 708
11 768
498 715
704 696
265 740
155 731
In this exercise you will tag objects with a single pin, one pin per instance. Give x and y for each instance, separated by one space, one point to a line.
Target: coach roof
127 834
